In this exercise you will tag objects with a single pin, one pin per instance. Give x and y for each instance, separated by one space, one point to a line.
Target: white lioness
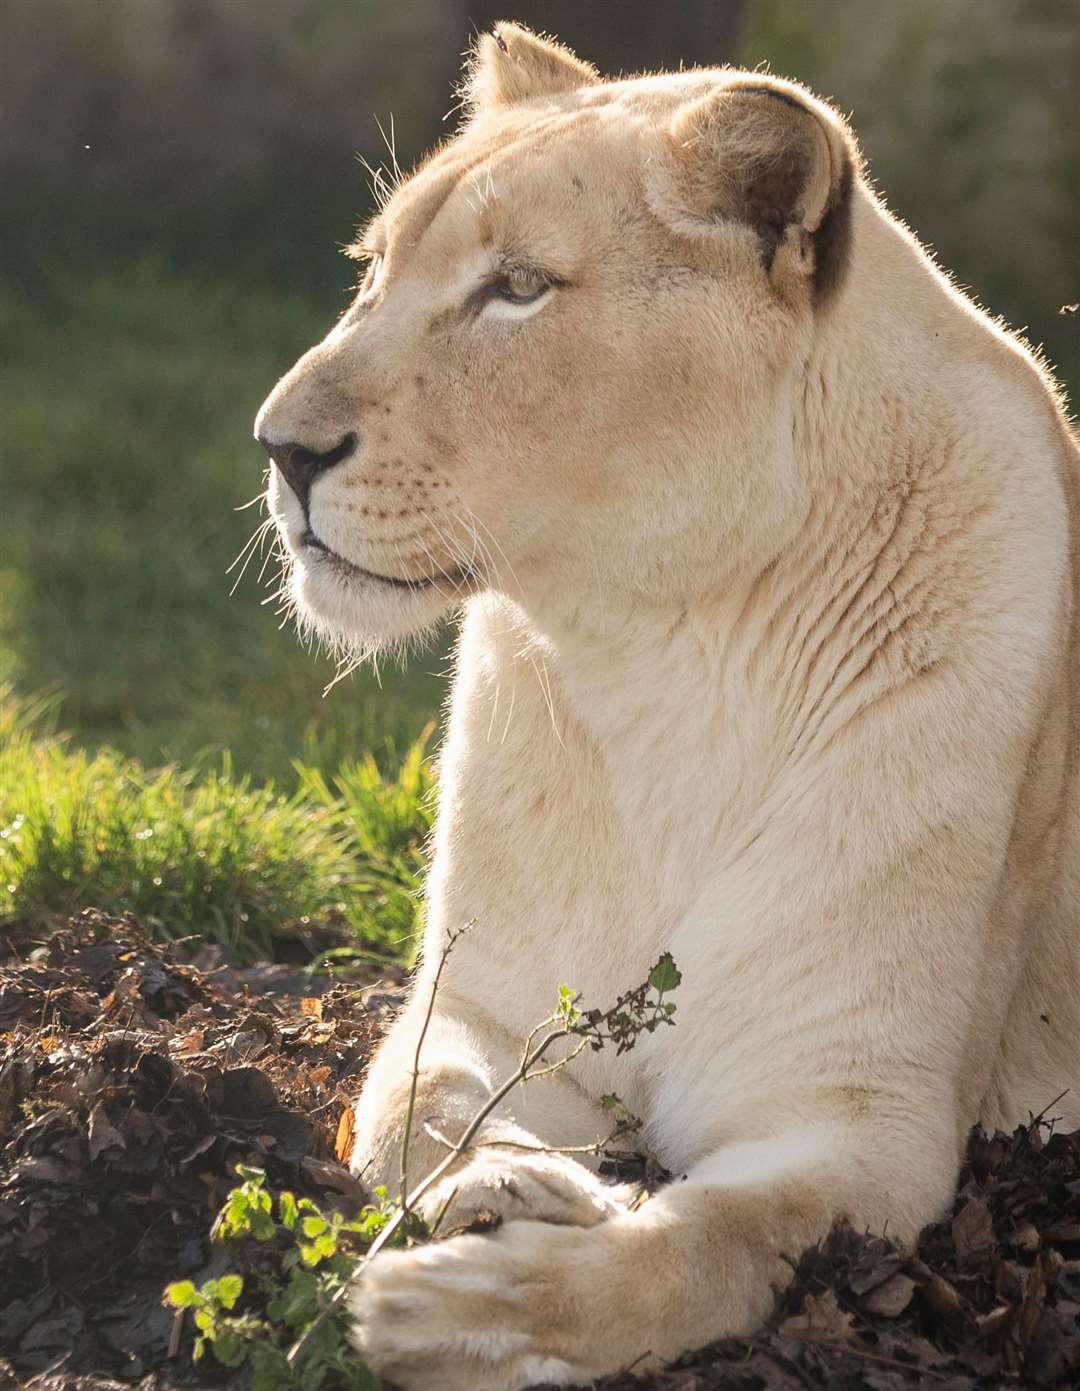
766 541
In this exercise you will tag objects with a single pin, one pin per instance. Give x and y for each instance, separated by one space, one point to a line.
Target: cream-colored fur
765 538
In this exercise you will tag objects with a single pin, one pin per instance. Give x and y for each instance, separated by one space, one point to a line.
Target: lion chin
764 537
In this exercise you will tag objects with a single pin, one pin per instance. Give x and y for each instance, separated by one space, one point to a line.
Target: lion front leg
514 1169
535 1303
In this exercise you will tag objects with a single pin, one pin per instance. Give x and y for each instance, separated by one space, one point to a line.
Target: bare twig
410 1109
176 1333
442 1212
468 1135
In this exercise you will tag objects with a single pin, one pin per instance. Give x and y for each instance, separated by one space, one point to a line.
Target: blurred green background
177 176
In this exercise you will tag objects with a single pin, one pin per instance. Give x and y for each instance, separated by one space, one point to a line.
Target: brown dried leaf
878 1263
7 1097
1025 1238
891 1298
102 1134
45 1169
327 1174
346 1135
191 1042
821 1320
973 1234
996 1321
944 1299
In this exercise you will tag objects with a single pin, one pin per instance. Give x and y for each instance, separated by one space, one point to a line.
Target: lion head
568 361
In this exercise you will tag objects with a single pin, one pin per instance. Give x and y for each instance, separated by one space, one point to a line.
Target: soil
134 1076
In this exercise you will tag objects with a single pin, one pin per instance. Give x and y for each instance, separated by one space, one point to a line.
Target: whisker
458 582
436 568
455 547
494 712
538 664
486 569
379 187
275 552
390 144
509 714
247 551
260 496
479 522
250 542
346 667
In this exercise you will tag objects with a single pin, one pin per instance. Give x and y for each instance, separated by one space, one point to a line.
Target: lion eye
520 286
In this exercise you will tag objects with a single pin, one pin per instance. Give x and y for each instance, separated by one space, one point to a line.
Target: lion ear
513 64
772 157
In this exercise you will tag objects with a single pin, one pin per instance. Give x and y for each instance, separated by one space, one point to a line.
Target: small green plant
255 1319
637 1011
626 1122
292 1326
213 1302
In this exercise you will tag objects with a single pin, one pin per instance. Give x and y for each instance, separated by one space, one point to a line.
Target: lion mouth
456 578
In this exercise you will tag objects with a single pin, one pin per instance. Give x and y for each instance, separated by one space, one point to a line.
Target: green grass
128 391
206 851
385 821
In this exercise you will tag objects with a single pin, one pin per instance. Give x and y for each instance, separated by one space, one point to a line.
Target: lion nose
300 466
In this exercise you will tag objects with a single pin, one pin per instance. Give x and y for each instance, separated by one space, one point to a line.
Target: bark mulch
134 1076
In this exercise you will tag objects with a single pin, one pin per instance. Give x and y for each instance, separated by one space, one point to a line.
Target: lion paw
474 1313
504 1184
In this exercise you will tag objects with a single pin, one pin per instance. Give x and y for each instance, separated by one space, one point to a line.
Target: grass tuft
201 850
385 820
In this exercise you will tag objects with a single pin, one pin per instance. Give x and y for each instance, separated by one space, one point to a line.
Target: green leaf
324 1246
205 1321
325 1344
313 1374
361 1377
225 1291
314 1226
567 1009
269 1368
233 1219
183 1295
665 975
610 1102
301 1302
263 1227
287 1210
229 1348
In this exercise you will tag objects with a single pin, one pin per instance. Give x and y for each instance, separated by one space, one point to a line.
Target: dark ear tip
496 34
775 93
